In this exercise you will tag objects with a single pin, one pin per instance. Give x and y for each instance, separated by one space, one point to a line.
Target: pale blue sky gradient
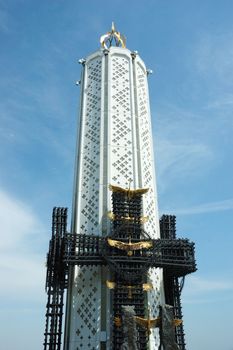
189 46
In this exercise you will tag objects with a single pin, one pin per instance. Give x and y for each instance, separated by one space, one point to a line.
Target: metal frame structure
128 252
172 285
56 280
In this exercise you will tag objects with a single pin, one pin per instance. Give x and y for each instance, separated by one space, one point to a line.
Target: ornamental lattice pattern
87 289
121 121
146 151
89 219
87 308
149 204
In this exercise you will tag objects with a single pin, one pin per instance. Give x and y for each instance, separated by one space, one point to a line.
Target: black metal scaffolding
128 252
172 286
56 281
129 270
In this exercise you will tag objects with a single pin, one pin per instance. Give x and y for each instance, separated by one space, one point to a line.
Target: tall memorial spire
119 263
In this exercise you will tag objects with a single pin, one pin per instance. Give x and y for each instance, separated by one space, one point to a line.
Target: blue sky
189 46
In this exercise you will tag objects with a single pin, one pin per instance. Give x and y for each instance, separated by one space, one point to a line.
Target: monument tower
119 264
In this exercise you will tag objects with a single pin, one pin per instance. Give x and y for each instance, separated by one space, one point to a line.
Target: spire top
112 38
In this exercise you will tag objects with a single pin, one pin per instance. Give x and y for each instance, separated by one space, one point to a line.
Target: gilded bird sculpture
130 247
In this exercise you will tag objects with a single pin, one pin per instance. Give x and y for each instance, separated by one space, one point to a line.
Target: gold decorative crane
149 323
128 190
130 247
145 287
142 219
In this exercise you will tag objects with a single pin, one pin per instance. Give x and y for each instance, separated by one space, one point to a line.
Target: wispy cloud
17 222
4 21
182 145
181 157
36 114
205 290
214 54
224 101
199 285
202 208
21 265
212 61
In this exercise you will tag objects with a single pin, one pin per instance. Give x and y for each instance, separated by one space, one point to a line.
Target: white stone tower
114 148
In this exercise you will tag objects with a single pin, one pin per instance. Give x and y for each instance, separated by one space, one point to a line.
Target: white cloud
181 157
22 269
17 221
199 290
222 102
32 106
214 56
202 208
213 64
4 21
23 276
183 145
200 285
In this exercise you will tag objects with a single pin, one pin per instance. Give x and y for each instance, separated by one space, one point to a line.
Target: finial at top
114 37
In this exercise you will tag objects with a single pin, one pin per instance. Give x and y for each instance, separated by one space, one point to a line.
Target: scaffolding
56 281
128 252
172 285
